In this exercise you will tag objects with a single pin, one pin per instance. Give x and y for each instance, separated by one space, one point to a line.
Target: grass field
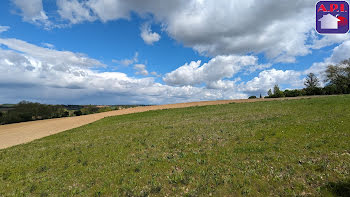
287 148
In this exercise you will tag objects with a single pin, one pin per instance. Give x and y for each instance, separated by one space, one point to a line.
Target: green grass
286 148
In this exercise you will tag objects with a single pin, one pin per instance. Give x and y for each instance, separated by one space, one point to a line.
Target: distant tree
269 93
276 89
252 97
65 114
312 85
311 81
78 113
293 93
277 93
260 96
89 109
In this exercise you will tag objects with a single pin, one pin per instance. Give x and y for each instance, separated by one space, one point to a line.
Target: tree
252 97
311 81
277 93
269 93
260 96
312 85
65 114
293 93
338 76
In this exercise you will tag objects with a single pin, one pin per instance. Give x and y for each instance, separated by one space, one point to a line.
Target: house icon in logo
329 22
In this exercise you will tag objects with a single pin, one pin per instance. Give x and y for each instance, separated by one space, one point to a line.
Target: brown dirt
19 133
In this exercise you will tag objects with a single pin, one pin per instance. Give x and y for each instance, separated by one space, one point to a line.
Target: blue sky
155 52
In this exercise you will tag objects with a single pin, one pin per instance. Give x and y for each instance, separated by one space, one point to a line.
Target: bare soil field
19 133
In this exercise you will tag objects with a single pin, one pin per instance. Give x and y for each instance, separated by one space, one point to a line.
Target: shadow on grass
341 188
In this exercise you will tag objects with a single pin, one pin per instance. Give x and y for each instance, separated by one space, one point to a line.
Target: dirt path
19 133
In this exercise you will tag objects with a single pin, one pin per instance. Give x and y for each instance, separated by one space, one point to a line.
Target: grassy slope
297 147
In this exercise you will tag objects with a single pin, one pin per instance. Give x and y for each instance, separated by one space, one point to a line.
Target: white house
329 22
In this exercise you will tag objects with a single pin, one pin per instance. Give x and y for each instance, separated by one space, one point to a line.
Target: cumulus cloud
148 36
74 11
268 78
32 11
339 54
224 30
4 28
217 72
216 69
52 76
109 9
140 69
199 24
30 72
328 40
282 31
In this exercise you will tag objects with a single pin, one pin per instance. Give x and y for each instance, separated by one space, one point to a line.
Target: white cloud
48 45
282 31
339 54
268 78
46 75
109 9
74 11
329 40
56 58
4 28
254 68
140 69
52 76
147 35
128 62
216 69
218 27
32 11
155 74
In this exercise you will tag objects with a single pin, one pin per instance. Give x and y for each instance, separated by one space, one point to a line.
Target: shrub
65 114
252 97
90 109
293 93
78 113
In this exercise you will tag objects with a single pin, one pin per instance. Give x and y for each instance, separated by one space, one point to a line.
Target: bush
78 113
293 93
90 109
104 109
65 114
252 97
330 89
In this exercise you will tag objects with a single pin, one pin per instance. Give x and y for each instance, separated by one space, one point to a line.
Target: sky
158 51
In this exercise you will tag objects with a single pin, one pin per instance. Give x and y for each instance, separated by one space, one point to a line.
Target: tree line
28 111
337 79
